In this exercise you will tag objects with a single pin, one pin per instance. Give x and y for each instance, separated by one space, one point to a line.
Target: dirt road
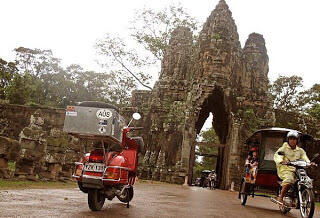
150 200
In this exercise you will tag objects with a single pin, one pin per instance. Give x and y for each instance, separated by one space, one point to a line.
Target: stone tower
213 75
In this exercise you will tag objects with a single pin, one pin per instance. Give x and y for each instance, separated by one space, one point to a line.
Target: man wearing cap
288 152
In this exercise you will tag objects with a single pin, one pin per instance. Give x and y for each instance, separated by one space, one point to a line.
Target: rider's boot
284 190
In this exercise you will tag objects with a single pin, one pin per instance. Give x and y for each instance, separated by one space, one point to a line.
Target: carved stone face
216 55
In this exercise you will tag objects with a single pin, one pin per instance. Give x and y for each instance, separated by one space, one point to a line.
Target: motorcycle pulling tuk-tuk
265 143
109 169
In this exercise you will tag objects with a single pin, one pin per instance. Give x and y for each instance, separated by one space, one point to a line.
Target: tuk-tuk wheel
243 195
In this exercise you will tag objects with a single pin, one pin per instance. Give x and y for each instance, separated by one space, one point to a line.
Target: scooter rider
288 152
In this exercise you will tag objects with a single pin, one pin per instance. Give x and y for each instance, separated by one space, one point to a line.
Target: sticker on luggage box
103 114
71 113
103 123
102 130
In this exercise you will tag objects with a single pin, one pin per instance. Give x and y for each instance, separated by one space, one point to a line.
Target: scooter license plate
94 167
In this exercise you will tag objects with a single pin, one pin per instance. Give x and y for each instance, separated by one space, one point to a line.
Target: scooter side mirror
136 116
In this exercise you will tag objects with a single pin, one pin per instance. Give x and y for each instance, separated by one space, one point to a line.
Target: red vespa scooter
108 174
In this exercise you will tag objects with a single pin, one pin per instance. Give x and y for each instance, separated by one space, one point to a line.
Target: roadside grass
12 166
26 184
317 204
15 184
144 181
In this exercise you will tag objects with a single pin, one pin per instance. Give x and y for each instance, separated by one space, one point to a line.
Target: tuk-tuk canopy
206 171
277 130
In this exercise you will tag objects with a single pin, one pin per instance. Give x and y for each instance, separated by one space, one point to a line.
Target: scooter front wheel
95 199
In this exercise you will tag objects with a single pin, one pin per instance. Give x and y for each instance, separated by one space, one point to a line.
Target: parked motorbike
300 195
107 174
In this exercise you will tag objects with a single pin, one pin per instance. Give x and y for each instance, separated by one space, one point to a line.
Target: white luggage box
84 121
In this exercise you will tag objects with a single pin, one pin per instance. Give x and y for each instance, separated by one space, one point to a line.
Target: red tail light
96 156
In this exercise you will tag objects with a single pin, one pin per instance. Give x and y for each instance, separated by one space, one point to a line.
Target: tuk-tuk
266 142
203 178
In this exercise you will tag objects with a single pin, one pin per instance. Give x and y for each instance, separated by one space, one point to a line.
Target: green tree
310 100
124 61
153 29
7 72
20 89
36 61
206 163
251 121
285 92
150 31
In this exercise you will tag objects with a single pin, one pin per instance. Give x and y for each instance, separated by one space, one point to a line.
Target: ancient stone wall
33 139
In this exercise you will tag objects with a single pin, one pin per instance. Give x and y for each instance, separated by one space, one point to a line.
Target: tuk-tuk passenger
288 152
252 163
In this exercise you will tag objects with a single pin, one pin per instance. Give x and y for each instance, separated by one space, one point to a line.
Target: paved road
150 200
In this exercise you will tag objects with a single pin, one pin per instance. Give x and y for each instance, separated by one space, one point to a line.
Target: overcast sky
70 28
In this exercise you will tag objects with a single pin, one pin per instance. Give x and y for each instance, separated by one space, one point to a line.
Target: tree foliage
37 77
36 61
152 29
310 99
149 38
285 92
7 72
206 163
20 89
125 61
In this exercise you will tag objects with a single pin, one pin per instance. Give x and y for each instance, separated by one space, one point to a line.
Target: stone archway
214 103
212 75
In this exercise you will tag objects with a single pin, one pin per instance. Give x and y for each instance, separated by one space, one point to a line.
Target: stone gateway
213 74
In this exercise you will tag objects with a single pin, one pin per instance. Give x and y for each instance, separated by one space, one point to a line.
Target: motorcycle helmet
293 134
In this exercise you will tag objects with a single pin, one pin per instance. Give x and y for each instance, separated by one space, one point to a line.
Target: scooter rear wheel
95 199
